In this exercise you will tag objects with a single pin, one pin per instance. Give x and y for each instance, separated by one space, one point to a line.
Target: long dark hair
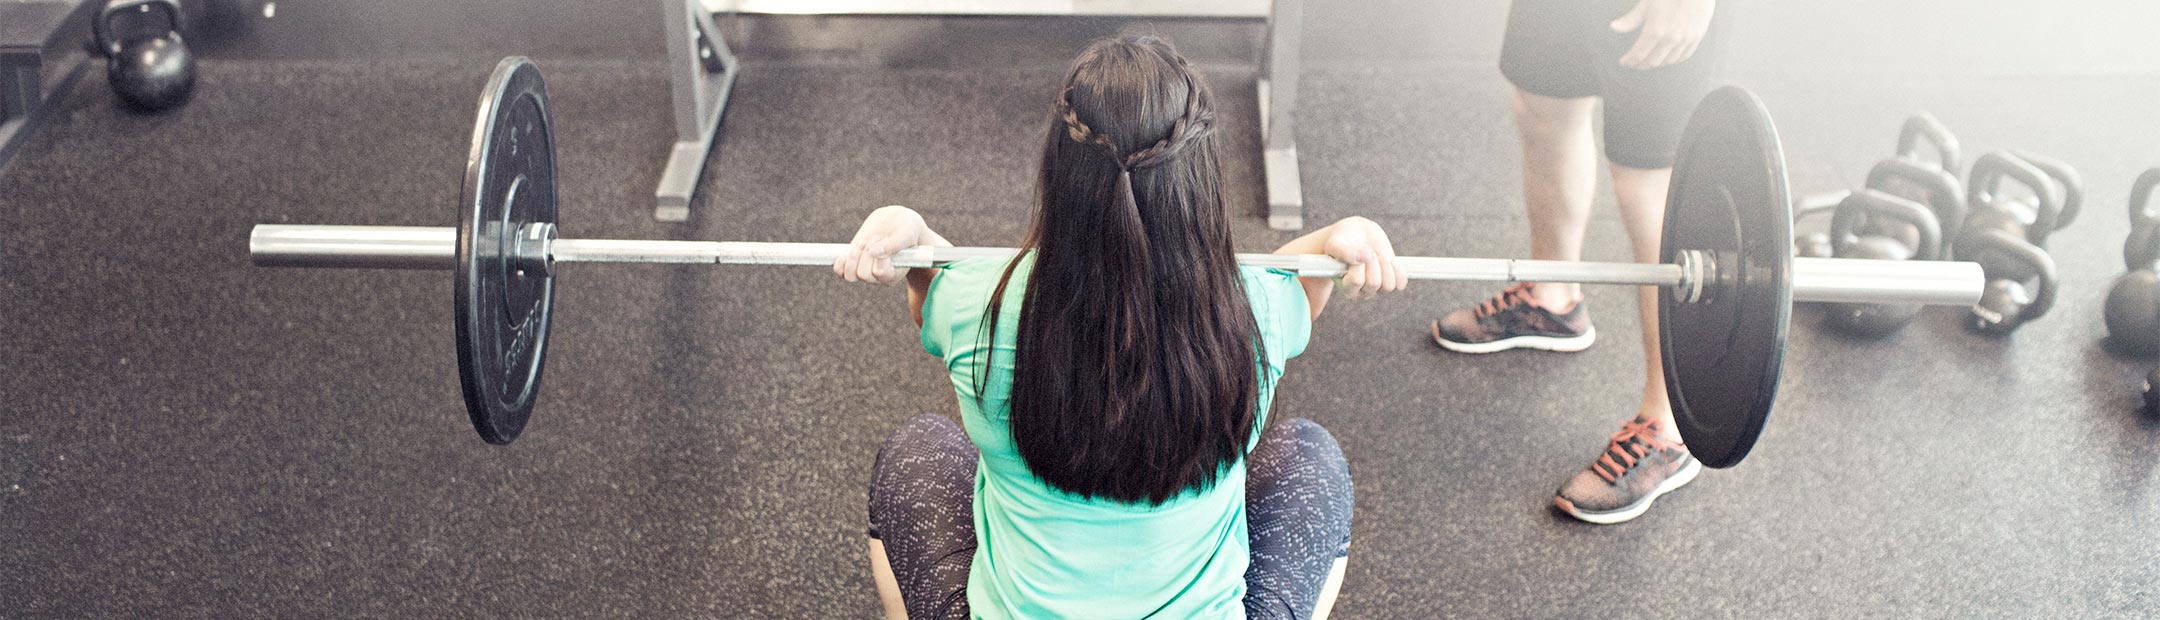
1135 376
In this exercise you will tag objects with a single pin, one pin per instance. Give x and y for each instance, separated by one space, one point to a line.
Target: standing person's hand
1671 30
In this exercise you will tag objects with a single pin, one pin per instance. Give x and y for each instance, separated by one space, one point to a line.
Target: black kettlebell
2021 279
2133 301
150 74
1988 207
2001 232
1873 224
1923 130
1939 190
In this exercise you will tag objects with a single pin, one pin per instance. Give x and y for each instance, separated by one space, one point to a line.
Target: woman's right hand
1364 249
885 233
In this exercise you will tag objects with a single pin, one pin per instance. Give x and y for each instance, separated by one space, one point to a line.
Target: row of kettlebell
1911 208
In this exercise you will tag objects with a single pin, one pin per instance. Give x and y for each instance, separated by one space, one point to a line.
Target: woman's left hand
885 233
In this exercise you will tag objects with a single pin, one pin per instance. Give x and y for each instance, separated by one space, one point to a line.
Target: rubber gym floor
185 435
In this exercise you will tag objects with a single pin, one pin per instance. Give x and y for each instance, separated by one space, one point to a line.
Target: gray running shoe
1513 319
1635 469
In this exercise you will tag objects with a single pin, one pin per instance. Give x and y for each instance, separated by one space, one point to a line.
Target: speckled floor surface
184 435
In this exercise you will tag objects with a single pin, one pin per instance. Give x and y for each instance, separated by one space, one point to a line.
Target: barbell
1727 278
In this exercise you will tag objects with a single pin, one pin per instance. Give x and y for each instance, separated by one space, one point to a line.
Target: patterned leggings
1297 511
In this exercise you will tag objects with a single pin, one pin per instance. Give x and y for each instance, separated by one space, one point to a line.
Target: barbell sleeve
1864 281
358 247
410 247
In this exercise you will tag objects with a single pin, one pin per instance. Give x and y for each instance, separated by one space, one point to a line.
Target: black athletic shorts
1565 49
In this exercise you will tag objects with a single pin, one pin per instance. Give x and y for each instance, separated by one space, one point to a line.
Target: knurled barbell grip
1311 265
405 247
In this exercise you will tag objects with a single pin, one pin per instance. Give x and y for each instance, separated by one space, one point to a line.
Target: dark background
2006 37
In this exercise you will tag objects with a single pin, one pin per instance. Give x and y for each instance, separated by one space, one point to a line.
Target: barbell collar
1813 280
1695 269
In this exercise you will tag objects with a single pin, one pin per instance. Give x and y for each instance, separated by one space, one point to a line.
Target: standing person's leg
1641 194
1645 111
1645 459
1559 175
922 520
1543 56
1298 502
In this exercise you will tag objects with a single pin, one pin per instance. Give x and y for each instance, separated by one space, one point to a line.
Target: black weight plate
504 299
1728 198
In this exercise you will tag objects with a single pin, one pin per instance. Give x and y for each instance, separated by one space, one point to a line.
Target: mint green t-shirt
1045 553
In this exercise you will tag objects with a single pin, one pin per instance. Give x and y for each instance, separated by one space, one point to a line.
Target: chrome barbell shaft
408 247
1418 267
413 247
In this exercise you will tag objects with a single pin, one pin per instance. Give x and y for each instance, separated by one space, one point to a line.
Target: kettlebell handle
1872 203
2009 245
1945 195
1988 173
2142 209
101 28
2142 249
1923 127
2073 192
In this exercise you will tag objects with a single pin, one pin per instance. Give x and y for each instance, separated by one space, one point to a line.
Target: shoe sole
1630 511
1560 344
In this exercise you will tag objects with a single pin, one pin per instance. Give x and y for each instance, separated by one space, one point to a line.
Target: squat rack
702 70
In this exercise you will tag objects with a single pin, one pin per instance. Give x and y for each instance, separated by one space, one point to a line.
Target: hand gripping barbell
1728 278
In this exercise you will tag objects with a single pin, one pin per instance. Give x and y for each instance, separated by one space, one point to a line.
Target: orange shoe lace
1518 293
1635 441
